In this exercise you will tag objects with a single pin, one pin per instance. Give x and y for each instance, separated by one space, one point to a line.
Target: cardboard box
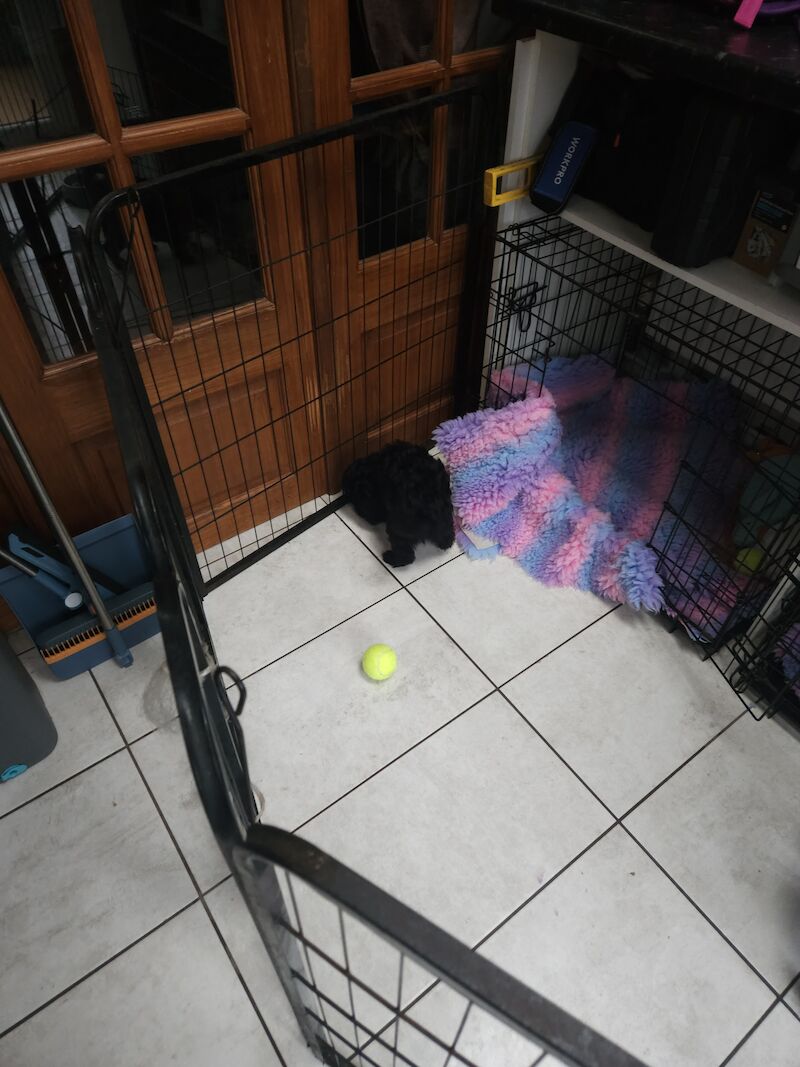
766 231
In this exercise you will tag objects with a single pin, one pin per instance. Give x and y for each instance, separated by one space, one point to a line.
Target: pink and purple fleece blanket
572 483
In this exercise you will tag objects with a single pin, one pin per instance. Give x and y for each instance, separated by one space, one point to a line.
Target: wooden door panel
245 440
205 349
392 356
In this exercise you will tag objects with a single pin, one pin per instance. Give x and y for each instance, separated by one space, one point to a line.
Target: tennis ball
379 662
749 560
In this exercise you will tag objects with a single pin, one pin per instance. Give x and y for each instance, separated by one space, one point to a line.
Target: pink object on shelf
746 12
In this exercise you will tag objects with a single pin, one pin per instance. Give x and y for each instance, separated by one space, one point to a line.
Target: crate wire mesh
370 981
764 662
560 291
281 336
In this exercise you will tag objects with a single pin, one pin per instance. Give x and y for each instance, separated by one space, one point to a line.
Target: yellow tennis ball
749 560
379 662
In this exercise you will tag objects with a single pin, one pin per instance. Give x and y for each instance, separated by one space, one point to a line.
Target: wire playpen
298 306
203 391
256 355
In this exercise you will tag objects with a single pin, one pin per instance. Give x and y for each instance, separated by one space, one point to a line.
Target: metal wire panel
560 291
764 663
304 306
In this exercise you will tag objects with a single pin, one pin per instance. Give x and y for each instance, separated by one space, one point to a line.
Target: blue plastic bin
114 549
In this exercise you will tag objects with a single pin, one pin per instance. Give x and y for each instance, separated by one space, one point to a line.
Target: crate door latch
492 197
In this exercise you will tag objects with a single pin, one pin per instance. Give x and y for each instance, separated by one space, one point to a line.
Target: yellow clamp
492 176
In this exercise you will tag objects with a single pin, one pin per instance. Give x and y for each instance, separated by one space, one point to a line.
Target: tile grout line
199 895
322 633
566 641
540 889
225 878
740 715
558 755
791 985
759 1022
361 541
64 781
785 1002
393 760
697 907
94 970
386 566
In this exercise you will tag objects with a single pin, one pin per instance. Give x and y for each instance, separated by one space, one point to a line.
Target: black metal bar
263 896
56 523
254 156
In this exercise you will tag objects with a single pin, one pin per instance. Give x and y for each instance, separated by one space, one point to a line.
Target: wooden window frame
261 116
258 118
320 30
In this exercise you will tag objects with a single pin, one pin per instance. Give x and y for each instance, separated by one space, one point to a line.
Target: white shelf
779 305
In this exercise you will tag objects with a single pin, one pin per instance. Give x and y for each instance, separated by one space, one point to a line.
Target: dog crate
728 561
232 378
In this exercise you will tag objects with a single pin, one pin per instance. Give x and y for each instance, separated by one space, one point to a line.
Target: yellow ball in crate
749 560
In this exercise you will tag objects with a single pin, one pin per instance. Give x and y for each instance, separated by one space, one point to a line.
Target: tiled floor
565 787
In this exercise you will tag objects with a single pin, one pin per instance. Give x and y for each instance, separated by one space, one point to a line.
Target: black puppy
405 487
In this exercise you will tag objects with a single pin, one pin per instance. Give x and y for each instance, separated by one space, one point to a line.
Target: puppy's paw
398 557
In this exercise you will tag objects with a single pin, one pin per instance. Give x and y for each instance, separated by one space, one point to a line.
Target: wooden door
90 105
386 297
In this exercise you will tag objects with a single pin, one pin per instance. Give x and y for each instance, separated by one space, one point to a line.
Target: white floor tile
625 703
222 564
244 941
427 556
218 558
20 641
725 827
776 1043
86 733
164 763
612 941
294 594
467 825
141 695
173 998
87 869
501 617
442 1015
315 726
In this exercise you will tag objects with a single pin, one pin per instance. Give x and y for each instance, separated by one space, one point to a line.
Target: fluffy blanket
572 483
